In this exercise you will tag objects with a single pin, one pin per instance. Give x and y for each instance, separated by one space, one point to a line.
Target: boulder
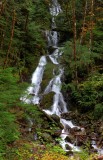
55 118
70 139
47 101
67 128
57 133
74 130
48 74
46 137
70 115
79 142
68 147
93 136
51 49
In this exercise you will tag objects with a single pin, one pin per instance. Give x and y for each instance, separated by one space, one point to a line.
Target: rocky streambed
90 136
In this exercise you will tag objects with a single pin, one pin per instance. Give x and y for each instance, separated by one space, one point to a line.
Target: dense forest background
23 41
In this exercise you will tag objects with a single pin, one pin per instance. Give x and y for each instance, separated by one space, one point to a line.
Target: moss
47 100
47 137
48 75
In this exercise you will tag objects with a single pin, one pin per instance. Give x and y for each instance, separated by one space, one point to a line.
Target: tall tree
75 35
11 37
91 24
84 22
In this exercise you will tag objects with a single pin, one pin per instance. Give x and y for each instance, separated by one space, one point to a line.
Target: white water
55 9
54 56
59 105
51 37
100 150
35 83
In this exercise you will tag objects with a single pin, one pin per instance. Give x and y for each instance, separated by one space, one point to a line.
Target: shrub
88 95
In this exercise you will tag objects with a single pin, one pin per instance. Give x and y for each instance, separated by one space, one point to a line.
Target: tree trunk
2 6
3 33
2 40
11 38
91 25
84 22
74 39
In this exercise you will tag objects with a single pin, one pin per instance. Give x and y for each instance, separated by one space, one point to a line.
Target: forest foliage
23 41
83 55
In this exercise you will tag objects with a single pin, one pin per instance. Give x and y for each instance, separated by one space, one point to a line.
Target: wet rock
55 118
47 100
91 130
67 128
70 139
68 147
69 116
51 49
83 131
93 136
74 129
61 125
93 150
80 139
79 142
79 136
57 133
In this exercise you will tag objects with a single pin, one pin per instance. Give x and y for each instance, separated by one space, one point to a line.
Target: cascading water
59 106
36 81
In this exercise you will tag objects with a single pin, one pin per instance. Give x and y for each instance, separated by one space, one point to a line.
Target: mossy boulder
57 133
48 74
47 137
68 147
55 118
70 139
51 49
47 100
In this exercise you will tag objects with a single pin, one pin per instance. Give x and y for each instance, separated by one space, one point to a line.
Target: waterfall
32 93
59 105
